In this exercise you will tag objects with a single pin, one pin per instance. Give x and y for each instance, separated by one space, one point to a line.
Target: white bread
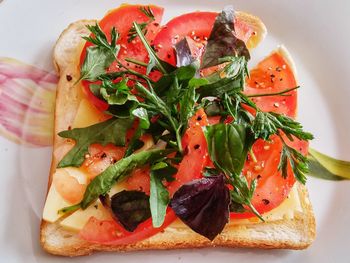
296 233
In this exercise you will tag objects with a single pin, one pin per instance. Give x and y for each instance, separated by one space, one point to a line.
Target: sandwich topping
188 131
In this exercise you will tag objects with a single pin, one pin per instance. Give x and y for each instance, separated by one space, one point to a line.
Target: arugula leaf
116 93
110 131
95 64
131 208
159 195
154 60
228 146
213 108
187 107
144 124
142 115
157 105
229 80
100 56
119 98
159 199
223 41
102 183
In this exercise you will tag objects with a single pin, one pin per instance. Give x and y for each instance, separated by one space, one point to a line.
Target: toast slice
294 233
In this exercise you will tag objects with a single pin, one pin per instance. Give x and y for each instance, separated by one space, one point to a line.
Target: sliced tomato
69 187
196 152
196 25
139 180
271 75
111 233
122 19
272 188
101 157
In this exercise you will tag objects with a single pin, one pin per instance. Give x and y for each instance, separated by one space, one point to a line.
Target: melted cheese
87 115
54 201
79 218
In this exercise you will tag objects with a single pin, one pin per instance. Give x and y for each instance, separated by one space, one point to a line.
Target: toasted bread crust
296 233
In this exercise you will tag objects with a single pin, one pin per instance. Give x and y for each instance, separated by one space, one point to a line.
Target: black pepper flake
169 56
69 127
199 118
281 79
258 177
69 77
104 155
186 151
156 24
278 69
96 206
265 201
196 146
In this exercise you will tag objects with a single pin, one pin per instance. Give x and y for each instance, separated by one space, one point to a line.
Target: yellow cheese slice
79 218
54 201
87 115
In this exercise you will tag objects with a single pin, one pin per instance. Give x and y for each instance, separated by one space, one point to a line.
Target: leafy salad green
172 101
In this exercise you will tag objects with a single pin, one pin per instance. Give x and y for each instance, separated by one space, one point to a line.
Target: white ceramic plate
317 35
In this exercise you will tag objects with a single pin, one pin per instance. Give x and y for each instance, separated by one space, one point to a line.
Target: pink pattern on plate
27 96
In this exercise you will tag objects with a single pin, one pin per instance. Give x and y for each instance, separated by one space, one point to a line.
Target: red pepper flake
69 77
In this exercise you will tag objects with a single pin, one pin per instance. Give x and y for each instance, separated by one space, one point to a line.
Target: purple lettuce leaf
203 205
